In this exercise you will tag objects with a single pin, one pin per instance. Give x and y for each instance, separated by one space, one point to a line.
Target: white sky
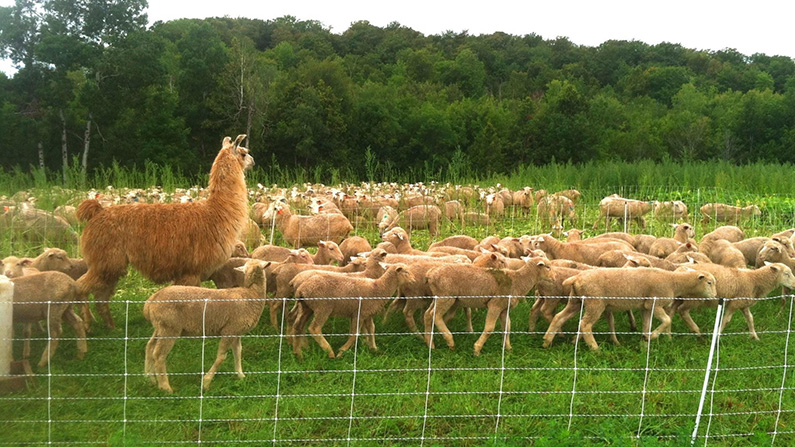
760 26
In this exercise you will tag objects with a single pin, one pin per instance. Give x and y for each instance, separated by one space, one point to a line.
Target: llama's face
240 153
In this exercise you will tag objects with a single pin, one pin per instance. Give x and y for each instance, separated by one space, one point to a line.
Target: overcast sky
759 26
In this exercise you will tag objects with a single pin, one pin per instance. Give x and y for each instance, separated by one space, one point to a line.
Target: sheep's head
240 153
254 272
783 274
378 254
687 229
404 275
240 250
395 236
12 266
332 250
636 261
490 259
299 256
708 284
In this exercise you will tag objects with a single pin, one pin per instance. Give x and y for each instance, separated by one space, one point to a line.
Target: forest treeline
96 85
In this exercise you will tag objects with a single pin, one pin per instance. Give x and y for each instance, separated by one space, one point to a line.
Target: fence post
6 320
715 335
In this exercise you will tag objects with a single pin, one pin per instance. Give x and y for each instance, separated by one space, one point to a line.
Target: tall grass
644 176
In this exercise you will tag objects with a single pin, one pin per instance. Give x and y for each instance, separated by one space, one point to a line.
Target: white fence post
715 334
6 320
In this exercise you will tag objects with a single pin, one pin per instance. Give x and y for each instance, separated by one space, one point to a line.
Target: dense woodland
95 85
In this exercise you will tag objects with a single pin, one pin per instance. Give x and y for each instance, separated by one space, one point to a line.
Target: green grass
88 405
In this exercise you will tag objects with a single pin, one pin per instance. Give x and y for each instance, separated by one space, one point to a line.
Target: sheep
750 248
417 217
385 214
618 258
459 241
475 218
554 209
664 246
673 210
506 195
310 299
256 211
649 288
587 253
616 207
727 232
352 246
523 199
540 194
39 226
175 311
498 290
56 259
240 250
643 242
14 267
720 212
721 251
307 231
737 283
48 296
786 242
228 275
552 287
180 242
250 235
513 247
785 233
573 235
772 251
453 211
571 194
67 213
494 205
400 239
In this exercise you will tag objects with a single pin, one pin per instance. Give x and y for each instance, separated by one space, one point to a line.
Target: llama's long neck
227 189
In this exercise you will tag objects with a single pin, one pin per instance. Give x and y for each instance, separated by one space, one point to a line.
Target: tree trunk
248 126
64 152
87 142
41 155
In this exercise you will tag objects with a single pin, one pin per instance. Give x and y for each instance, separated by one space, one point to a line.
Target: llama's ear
226 143
239 140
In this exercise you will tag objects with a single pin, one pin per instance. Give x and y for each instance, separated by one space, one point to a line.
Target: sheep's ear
400 236
242 268
540 239
566 233
674 225
691 260
25 262
774 267
383 265
626 256
321 244
516 239
494 256
701 277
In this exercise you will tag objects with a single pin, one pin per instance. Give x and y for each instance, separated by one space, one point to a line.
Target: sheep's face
332 249
490 260
784 274
403 274
55 259
240 250
12 266
254 272
687 229
707 287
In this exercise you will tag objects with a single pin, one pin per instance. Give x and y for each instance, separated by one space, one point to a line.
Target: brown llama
178 242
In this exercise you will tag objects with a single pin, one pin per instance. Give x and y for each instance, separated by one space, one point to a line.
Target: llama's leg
102 295
71 317
223 348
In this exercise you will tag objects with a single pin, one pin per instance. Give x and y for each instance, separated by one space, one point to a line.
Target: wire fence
678 390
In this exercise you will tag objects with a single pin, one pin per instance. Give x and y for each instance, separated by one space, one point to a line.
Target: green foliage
308 97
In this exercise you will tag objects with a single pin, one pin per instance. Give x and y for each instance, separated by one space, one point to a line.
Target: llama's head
240 153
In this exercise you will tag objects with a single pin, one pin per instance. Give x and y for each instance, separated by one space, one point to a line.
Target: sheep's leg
665 324
727 317
435 314
646 329
55 332
351 337
685 314
165 342
237 351
223 348
591 316
27 334
149 358
633 325
611 321
273 308
750 319
296 330
71 317
469 320
371 335
409 309
535 311
506 328
316 328
493 312
572 307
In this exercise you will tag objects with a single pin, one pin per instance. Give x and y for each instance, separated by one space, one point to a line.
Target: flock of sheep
347 277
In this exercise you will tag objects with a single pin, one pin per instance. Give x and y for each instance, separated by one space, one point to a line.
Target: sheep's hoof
81 355
339 354
547 343
452 347
477 352
331 355
754 337
241 376
167 390
152 378
594 348
42 364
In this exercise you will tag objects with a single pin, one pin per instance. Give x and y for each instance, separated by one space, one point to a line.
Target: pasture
637 393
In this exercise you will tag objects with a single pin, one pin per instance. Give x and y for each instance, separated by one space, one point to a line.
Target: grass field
406 395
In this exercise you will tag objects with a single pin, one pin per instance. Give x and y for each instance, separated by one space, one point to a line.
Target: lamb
459 241
671 210
523 199
400 239
554 209
475 218
453 210
494 205
737 283
550 287
250 235
256 211
750 248
498 290
175 311
721 251
785 233
772 251
571 194
310 299
39 226
688 257
659 287
240 250
14 267
643 242
352 246
67 213
616 207
386 214
48 296
180 242
720 212
664 246
586 253
786 241
417 217
727 232
307 231
56 259
618 258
